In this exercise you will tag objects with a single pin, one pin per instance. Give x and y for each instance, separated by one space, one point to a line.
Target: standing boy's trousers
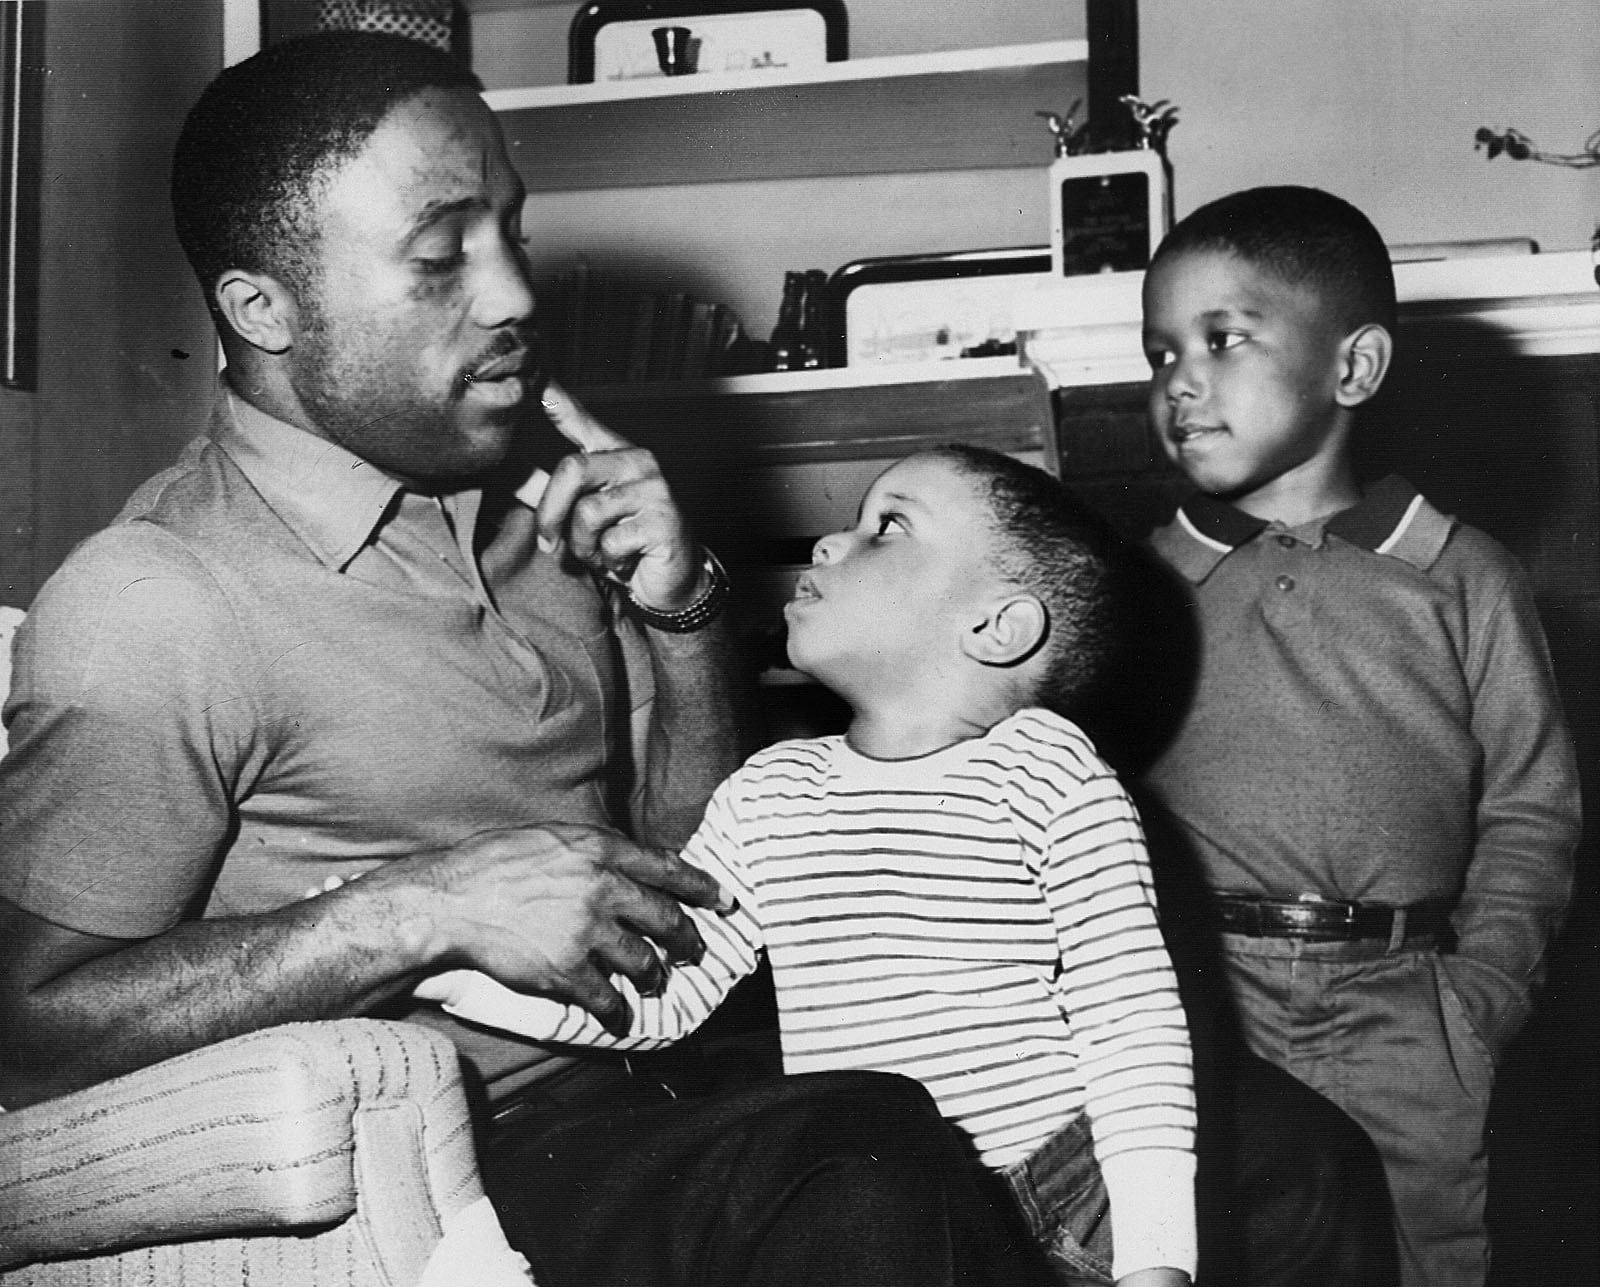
1380 1031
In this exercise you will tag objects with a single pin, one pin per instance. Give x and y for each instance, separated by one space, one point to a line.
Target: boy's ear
1012 631
260 309
1363 362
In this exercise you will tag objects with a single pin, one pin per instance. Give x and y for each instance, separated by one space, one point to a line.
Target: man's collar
330 498
1392 518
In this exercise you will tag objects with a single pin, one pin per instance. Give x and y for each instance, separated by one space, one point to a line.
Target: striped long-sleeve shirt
980 919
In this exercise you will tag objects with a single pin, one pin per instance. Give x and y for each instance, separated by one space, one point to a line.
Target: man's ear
1012 631
1363 362
260 309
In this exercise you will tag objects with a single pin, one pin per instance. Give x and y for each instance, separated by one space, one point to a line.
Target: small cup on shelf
677 50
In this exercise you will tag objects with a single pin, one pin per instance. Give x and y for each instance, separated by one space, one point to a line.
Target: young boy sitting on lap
956 889
1374 774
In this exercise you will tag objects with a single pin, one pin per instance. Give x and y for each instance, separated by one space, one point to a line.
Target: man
329 644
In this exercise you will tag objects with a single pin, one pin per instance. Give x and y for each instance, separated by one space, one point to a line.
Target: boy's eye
1222 340
889 523
1158 358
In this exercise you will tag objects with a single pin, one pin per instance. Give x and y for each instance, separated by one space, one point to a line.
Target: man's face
1245 369
412 347
884 603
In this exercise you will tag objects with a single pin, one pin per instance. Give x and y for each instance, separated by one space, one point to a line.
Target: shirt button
1285 583
1286 541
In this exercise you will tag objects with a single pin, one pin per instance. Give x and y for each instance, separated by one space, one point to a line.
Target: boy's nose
827 548
1183 380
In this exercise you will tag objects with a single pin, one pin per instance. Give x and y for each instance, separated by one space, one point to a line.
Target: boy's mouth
804 588
1181 434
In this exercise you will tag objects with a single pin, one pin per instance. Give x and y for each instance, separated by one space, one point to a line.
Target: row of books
600 329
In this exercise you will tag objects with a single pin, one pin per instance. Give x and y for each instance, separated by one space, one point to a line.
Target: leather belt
1328 920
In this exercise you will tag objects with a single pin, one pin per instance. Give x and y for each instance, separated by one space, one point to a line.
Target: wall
1375 100
1379 101
125 349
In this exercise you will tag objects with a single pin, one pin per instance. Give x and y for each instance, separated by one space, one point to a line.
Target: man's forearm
701 726
556 908
112 1007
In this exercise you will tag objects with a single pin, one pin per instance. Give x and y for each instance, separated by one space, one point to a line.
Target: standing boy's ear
1363 362
1012 631
260 309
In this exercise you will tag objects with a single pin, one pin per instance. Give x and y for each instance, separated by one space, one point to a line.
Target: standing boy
956 889
1374 774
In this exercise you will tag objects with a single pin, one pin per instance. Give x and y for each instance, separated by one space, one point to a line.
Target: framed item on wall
916 308
612 40
21 139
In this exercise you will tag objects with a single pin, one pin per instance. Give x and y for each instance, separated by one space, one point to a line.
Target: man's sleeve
127 726
1520 877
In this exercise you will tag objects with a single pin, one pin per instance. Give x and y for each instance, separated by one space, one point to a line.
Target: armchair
337 1152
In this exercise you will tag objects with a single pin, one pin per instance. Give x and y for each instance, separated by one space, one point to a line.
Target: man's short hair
269 130
1052 546
1302 236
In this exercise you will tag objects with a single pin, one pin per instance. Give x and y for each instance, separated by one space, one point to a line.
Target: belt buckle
1313 908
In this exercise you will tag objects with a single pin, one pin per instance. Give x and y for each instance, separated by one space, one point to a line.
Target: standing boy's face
884 602
1245 369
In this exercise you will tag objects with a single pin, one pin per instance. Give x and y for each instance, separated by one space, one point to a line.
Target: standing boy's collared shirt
279 667
1375 719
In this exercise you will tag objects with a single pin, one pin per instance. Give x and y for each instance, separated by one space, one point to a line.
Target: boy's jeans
1384 1035
1063 1198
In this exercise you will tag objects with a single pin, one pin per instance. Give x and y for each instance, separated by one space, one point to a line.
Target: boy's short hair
1051 545
1302 236
264 135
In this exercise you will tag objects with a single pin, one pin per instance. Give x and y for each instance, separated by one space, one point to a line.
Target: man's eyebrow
436 212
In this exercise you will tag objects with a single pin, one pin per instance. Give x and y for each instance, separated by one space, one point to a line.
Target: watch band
697 616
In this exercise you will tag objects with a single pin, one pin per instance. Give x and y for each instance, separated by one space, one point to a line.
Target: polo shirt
1375 718
277 668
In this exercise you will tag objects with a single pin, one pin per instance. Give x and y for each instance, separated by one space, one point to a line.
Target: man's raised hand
611 506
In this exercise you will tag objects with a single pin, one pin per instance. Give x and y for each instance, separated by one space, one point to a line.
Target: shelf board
870 374
962 110
841 414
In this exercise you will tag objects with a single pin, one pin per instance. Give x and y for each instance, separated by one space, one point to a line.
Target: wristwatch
697 616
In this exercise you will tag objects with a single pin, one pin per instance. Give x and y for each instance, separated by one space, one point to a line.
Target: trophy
1109 210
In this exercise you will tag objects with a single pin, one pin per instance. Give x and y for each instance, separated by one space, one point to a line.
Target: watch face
717 42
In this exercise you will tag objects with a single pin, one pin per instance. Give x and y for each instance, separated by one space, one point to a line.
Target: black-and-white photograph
453 830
